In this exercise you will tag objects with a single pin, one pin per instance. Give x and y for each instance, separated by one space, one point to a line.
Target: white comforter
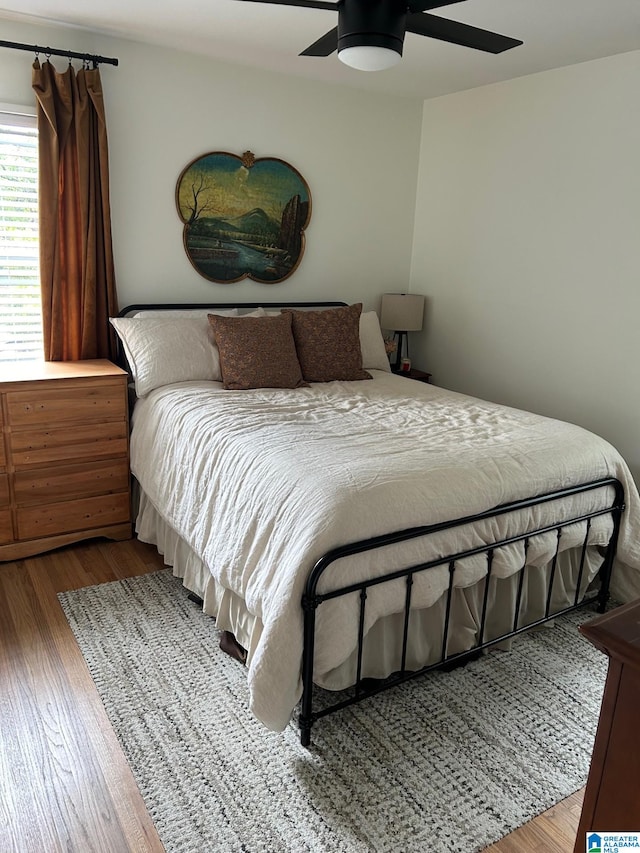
261 483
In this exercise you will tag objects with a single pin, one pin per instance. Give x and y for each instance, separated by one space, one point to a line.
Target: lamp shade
401 312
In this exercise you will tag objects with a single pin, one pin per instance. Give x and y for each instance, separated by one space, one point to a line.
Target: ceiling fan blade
307 4
425 5
456 33
324 46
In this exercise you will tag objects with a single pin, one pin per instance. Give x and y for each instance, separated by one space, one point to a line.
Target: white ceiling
555 33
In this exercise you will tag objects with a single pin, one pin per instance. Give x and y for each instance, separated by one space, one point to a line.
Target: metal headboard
121 359
173 306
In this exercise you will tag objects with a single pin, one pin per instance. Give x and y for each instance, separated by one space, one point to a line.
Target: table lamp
401 313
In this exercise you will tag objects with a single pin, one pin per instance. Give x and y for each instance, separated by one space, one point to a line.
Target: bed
350 533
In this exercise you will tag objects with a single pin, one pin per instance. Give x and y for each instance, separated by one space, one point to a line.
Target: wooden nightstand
420 375
612 795
64 455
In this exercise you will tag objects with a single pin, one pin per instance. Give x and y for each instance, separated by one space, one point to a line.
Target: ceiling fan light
367 57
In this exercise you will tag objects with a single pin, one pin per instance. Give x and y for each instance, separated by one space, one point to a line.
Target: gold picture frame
243 217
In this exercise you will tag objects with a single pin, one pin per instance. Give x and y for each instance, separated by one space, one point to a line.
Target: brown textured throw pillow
328 343
257 352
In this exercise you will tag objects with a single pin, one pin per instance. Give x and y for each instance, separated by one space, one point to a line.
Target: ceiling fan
370 33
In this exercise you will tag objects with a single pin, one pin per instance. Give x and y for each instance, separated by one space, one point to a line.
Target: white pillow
166 349
374 355
183 313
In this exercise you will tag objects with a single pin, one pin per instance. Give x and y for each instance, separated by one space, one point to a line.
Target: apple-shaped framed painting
243 217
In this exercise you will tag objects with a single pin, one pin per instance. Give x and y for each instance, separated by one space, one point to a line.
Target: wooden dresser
64 457
612 797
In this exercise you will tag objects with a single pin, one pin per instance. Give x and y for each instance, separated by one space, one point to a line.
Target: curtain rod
50 51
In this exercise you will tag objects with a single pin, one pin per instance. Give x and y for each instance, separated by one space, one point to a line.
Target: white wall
358 153
527 245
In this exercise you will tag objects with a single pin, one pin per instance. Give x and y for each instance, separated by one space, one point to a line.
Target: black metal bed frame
181 306
120 357
312 599
365 688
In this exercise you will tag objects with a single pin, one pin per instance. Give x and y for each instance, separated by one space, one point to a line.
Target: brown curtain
76 257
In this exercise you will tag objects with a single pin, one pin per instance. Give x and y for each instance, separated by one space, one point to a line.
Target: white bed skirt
382 649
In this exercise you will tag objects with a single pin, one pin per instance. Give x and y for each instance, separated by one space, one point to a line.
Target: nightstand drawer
414 373
67 402
91 441
71 481
37 522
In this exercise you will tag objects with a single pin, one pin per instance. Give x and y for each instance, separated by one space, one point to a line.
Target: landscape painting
243 217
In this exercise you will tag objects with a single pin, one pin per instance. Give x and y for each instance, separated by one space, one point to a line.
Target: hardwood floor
64 782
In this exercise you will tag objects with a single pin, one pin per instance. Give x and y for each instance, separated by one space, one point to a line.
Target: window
20 306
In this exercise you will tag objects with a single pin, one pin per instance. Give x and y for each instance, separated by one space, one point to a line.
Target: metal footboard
364 688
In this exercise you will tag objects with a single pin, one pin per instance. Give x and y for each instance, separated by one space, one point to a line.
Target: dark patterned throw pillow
257 352
328 343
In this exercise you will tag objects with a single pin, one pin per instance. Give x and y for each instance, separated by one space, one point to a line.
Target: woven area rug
451 762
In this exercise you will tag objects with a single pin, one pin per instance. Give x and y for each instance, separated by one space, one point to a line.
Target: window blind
20 306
